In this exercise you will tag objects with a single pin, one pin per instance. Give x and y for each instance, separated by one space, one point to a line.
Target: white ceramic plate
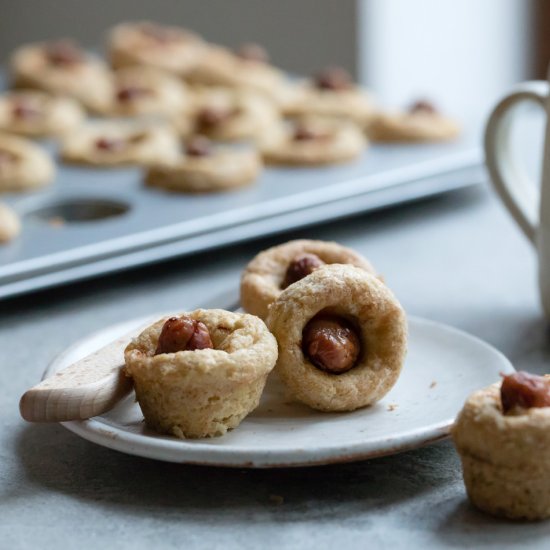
443 366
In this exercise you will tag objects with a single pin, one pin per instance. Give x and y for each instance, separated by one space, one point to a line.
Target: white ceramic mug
521 196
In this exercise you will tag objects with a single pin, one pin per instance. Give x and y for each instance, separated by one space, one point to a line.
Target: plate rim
170 449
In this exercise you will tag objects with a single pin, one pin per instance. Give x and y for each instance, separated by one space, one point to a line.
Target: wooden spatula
84 389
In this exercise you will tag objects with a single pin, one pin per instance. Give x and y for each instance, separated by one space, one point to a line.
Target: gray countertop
457 259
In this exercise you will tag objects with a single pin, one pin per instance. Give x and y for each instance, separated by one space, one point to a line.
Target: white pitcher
519 194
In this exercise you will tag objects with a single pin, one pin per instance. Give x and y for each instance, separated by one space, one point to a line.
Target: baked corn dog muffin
421 123
24 166
120 143
33 113
145 43
62 67
502 436
199 374
331 93
204 168
227 114
275 269
146 91
313 141
342 338
246 68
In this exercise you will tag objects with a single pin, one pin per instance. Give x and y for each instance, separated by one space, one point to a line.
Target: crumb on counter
56 221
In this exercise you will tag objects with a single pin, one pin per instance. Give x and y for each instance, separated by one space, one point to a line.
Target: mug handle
516 190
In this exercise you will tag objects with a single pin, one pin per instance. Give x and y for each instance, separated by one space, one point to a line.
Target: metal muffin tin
95 221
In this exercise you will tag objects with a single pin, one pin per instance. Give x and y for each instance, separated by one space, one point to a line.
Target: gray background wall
463 55
301 35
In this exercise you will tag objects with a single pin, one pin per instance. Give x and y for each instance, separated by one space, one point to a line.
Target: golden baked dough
313 141
23 165
221 67
358 296
120 143
86 79
305 99
224 169
262 278
418 126
229 114
34 113
202 393
505 457
142 91
145 43
10 226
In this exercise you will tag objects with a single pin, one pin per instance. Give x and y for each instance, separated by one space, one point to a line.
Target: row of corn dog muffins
317 314
320 317
177 105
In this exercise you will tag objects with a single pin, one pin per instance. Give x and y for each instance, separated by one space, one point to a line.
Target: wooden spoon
89 387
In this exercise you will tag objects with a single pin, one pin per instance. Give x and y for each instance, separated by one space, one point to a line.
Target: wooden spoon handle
91 386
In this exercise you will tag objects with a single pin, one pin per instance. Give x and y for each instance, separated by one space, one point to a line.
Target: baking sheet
368 201
154 218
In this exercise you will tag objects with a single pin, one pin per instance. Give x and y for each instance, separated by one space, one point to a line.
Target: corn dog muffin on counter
503 438
199 374
342 338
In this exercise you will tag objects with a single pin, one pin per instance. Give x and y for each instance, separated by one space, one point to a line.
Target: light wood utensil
91 386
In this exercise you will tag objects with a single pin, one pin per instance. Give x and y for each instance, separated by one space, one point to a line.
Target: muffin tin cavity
80 210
